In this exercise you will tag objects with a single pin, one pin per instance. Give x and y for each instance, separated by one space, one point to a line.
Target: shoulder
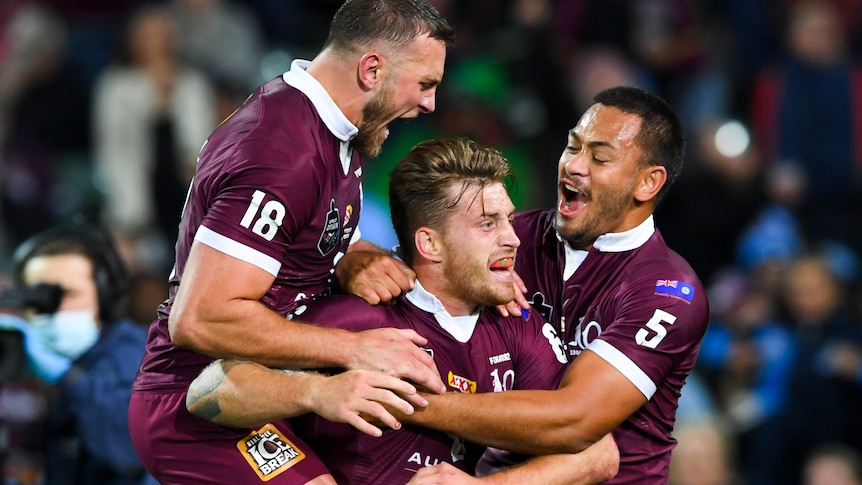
535 229
658 277
345 311
655 258
535 221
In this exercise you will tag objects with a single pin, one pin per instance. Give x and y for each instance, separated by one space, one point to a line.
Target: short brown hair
419 185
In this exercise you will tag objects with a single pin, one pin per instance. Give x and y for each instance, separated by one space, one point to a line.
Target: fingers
423 372
520 287
417 339
520 291
519 302
374 276
397 351
365 400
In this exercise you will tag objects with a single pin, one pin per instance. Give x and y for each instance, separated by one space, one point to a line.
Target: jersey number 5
266 220
657 324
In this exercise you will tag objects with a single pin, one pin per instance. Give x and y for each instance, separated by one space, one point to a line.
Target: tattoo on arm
202 399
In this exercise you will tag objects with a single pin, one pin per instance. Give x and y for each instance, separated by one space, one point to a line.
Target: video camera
41 298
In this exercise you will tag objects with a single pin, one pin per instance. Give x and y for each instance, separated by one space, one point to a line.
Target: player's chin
500 296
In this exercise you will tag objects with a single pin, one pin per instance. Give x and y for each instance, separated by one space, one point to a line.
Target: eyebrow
592 144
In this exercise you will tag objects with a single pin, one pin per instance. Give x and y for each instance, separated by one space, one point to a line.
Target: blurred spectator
222 39
807 109
726 183
146 292
44 127
79 341
826 389
833 465
703 454
152 115
747 356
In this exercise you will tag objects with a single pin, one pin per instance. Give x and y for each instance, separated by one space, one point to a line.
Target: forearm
509 421
249 330
597 464
226 392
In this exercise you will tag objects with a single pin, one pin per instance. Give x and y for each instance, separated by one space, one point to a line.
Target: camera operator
85 349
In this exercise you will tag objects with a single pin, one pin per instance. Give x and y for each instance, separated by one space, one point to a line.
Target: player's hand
444 473
359 398
373 275
396 352
520 302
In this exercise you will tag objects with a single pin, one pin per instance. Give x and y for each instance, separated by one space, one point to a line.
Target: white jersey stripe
237 250
625 365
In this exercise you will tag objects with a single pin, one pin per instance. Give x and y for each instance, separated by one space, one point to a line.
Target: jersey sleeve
260 203
658 324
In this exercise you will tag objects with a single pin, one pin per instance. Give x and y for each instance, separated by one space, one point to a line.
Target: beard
469 280
611 206
375 116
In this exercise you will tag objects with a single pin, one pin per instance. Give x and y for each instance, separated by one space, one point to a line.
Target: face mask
68 333
42 362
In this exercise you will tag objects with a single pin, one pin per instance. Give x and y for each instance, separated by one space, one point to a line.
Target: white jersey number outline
656 324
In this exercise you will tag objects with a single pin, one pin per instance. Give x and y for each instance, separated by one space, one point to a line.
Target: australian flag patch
674 288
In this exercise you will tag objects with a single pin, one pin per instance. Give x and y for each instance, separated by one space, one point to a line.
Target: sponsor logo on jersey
331 231
269 452
348 211
500 358
675 288
462 383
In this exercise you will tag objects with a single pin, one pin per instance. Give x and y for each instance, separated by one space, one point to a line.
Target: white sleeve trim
237 250
625 365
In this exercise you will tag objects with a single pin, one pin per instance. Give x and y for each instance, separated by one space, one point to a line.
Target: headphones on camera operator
52 340
109 271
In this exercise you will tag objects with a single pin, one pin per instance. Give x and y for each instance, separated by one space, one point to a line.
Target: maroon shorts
180 448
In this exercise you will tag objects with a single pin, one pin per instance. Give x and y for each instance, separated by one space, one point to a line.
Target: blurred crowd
104 105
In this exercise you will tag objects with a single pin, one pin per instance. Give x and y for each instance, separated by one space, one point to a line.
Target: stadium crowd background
104 104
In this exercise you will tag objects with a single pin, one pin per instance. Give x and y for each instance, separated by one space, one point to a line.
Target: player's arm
592 399
372 274
217 311
597 464
243 394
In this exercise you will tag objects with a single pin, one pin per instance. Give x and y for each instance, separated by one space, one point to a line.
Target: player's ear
428 245
370 67
650 181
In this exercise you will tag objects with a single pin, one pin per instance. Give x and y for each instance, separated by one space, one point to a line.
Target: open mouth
572 198
503 265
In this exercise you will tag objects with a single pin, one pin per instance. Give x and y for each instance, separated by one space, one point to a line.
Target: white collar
612 242
461 328
326 108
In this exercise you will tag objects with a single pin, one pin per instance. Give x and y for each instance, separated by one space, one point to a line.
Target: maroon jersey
479 353
635 303
277 185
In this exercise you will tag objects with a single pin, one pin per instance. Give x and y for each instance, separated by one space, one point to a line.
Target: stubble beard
375 115
467 281
582 235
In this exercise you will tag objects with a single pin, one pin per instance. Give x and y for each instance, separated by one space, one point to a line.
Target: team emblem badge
268 452
331 231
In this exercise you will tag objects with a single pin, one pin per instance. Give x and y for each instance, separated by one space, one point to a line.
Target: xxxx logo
462 383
